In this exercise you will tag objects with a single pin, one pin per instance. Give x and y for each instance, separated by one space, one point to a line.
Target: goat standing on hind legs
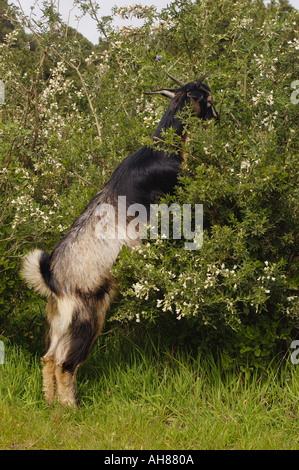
76 276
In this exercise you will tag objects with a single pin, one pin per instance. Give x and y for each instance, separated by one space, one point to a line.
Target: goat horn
199 82
178 82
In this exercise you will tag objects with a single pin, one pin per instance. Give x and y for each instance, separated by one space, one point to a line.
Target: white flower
245 165
137 288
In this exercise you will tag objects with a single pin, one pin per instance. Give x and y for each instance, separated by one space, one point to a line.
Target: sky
87 26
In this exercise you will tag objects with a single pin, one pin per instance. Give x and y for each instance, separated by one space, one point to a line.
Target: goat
76 277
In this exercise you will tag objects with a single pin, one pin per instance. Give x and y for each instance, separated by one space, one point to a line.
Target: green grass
151 401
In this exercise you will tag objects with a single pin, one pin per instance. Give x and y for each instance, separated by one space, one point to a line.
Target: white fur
31 272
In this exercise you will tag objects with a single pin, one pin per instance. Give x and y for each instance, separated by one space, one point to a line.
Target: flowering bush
73 111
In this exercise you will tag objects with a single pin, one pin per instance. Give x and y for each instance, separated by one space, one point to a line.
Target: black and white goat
76 276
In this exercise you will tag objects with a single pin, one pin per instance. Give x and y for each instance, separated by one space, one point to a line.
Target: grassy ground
150 401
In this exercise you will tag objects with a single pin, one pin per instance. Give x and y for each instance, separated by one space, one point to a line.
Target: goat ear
169 93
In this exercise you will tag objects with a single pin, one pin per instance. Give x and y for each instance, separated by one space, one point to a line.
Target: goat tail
36 271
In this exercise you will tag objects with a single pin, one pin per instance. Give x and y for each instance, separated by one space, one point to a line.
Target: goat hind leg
66 385
48 361
71 352
49 378
87 319
80 338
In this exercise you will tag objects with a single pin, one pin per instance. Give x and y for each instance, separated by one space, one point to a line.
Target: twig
9 157
83 179
68 62
178 147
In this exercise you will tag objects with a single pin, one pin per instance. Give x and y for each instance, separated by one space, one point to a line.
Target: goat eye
195 96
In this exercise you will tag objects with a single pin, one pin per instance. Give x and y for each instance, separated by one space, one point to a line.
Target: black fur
46 273
82 334
145 175
96 294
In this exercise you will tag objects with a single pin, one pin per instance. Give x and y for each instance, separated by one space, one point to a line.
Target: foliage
73 111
